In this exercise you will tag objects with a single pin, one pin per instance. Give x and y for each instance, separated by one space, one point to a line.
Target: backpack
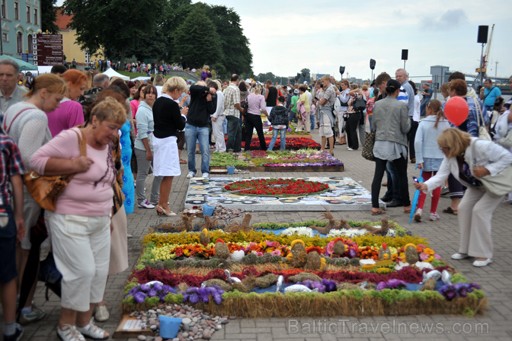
359 103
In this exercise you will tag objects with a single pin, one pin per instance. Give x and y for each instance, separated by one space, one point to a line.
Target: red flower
276 187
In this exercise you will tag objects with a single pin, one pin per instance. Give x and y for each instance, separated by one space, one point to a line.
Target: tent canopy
24 66
112 73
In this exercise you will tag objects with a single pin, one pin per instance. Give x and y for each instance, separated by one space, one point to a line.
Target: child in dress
12 228
428 154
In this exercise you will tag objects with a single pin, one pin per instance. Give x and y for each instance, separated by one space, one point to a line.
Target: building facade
20 21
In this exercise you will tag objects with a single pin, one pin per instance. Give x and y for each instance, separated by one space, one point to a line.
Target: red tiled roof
62 20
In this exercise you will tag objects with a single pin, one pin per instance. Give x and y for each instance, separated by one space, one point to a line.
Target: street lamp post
342 71
372 66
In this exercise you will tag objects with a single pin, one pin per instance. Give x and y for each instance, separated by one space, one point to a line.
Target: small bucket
169 326
231 170
208 210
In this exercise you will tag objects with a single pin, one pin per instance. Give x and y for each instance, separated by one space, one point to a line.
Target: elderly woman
143 147
168 119
26 122
391 123
69 114
80 226
468 159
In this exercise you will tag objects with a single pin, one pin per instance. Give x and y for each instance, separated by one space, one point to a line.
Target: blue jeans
201 135
274 138
234 134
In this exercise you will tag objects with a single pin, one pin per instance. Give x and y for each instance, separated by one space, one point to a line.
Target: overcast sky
286 36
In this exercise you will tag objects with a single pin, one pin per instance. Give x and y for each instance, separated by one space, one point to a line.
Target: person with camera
202 105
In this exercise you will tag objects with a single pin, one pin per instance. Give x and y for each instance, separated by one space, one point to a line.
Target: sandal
92 331
450 211
377 211
183 161
69 333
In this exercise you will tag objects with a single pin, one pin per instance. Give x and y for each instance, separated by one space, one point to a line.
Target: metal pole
1 36
496 70
482 65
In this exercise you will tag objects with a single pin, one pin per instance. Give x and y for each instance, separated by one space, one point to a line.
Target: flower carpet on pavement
342 194
315 268
292 143
304 160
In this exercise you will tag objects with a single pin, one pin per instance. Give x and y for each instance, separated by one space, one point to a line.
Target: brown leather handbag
45 190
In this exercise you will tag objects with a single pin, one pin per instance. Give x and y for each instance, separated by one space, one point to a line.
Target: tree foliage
48 16
197 41
114 25
174 31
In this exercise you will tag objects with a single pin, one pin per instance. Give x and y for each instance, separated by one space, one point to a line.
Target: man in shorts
326 116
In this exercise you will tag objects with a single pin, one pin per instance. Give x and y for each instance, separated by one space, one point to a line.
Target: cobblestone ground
496 279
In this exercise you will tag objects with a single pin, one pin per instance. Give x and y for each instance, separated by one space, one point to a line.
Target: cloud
451 19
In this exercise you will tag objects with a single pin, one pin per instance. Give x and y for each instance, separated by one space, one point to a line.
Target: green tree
235 46
48 16
115 25
196 41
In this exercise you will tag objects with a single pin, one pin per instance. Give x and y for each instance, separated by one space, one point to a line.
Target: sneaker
417 215
206 175
190 175
349 149
69 333
92 331
146 204
459 256
35 315
18 334
482 262
434 216
101 313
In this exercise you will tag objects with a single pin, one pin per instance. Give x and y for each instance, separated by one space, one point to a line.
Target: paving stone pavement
496 280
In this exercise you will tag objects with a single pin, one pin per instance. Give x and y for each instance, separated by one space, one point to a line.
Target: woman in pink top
69 114
255 107
80 225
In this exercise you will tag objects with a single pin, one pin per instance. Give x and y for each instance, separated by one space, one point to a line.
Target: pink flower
276 253
423 256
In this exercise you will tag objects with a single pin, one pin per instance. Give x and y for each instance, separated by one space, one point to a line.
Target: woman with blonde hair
69 113
168 119
26 122
468 159
80 225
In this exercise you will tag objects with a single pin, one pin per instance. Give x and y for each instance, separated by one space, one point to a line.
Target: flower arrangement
195 295
292 143
155 289
451 291
276 187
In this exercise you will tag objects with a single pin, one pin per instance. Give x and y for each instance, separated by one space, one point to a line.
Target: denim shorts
7 245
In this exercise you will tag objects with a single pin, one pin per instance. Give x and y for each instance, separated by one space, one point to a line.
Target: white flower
423 265
237 256
302 231
401 265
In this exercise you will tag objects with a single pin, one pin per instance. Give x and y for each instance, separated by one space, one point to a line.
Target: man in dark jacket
202 105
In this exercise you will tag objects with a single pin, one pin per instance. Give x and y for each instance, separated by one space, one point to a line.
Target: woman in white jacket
469 159
428 155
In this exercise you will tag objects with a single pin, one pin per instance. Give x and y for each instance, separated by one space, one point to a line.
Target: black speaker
372 64
342 69
405 54
482 34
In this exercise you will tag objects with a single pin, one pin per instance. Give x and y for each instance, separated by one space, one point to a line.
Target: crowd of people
108 134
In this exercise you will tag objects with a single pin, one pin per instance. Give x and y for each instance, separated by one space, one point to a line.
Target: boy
279 119
12 228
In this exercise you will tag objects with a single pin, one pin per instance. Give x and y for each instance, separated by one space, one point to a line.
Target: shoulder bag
45 190
499 184
369 142
483 133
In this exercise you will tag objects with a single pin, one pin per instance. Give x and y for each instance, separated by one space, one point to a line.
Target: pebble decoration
195 325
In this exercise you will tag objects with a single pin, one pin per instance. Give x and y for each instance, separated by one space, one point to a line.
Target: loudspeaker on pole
405 54
482 34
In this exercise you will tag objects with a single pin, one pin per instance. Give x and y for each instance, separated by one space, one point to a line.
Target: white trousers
218 133
474 215
81 248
